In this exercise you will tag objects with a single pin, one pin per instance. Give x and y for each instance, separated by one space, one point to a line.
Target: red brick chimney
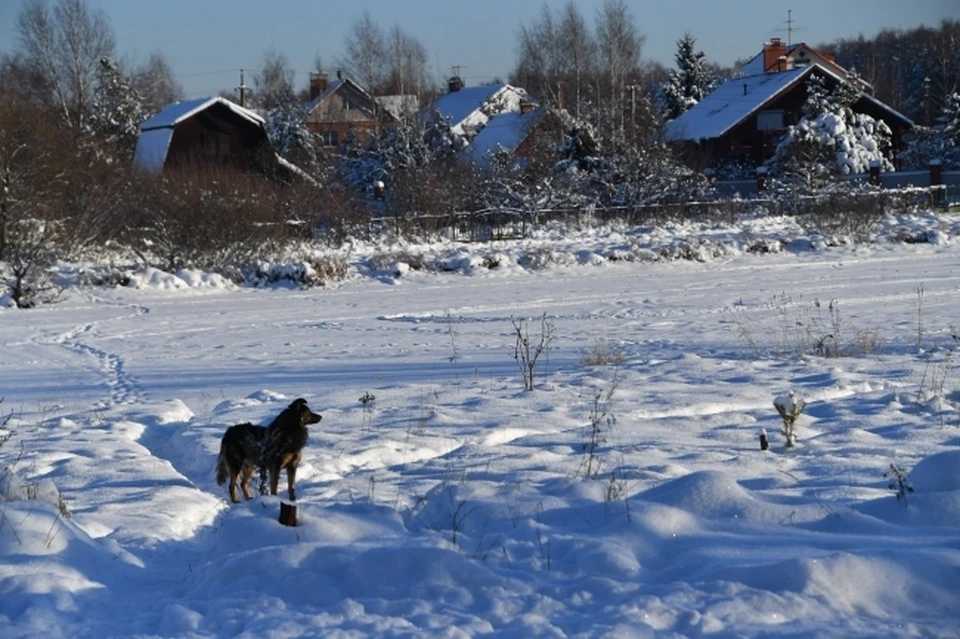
318 84
454 84
774 56
526 106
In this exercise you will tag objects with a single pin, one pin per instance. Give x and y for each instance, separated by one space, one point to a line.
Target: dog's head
304 414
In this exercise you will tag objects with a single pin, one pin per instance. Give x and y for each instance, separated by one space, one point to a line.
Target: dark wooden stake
764 444
288 514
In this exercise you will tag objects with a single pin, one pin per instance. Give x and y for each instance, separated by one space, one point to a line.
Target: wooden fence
852 212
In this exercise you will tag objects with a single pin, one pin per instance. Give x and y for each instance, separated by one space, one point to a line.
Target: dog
240 451
279 446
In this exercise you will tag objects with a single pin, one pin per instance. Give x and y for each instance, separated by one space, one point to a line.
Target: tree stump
288 514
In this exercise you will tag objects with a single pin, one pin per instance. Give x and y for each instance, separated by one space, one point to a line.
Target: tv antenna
790 28
456 69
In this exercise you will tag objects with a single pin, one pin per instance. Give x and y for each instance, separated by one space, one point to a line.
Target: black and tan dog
246 447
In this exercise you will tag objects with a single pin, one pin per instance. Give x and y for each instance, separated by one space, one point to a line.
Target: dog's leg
247 475
291 480
274 478
234 475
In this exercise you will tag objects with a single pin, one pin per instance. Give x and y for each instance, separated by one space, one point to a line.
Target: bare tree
155 82
579 49
407 62
538 51
273 84
63 47
557 57
365 50
619 46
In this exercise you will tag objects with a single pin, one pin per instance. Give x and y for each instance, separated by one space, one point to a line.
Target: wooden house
745 117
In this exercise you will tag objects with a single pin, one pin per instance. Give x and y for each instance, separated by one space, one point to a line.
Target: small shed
206 132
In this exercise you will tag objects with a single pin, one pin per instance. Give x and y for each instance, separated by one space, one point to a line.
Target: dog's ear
298 403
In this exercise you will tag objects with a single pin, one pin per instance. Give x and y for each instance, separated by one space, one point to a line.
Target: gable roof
335 87
173 114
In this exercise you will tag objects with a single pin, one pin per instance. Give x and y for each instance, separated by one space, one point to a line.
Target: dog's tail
222 471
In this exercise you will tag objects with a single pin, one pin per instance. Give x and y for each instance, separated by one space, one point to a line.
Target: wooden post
875 172
764 444
761 179
288 514
936 180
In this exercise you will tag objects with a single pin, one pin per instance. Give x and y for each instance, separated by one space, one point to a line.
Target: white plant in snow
790 407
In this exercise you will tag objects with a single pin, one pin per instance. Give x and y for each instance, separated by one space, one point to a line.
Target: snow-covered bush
306 273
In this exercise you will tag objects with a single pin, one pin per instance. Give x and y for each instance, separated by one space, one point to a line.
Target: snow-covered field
454 503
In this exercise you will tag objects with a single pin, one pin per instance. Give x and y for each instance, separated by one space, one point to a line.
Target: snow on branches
831 138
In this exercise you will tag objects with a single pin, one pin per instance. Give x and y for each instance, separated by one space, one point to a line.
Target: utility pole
243 91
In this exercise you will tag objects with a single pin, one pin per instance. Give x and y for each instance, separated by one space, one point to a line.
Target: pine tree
940 142
949 120
117 111
689 82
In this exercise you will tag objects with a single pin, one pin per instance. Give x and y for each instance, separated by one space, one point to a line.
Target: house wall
549 130
746 142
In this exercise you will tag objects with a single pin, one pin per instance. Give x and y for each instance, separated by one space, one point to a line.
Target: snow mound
937 473
716 495
152 278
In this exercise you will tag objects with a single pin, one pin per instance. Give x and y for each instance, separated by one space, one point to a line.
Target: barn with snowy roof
206 132
744 118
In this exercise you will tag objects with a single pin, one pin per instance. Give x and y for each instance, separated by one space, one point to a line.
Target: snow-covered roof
754 66
505 132
462 108
175 113
731 103
399 106
739 98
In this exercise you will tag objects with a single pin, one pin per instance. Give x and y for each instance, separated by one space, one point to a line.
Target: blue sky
208 41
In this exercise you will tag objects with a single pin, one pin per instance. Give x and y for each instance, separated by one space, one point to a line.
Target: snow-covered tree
831 138
401 157
288 132
940 142
690 81
116 112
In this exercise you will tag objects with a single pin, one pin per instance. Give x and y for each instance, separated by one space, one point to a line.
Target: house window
346 104
770 120
330 138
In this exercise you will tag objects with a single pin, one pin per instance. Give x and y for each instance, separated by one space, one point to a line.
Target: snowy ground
458 504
